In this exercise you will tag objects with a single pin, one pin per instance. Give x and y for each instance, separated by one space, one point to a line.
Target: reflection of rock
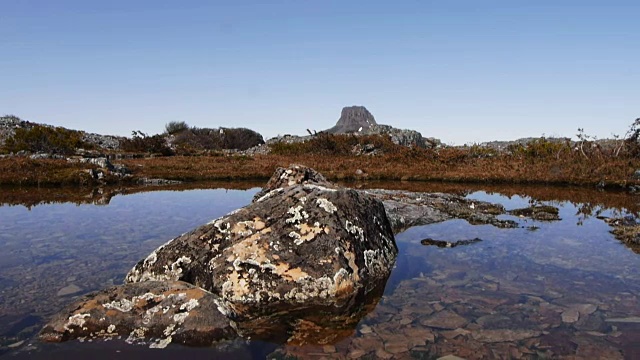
162 311
538 212
302 263
627 230
448 244
319 325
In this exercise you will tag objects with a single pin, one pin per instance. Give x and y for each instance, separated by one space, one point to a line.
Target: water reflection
53 253
568 289
30 197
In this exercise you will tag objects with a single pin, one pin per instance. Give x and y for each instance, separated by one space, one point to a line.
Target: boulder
303 242
151 311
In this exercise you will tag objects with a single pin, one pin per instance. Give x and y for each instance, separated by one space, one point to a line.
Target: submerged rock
406 209
538 212
448 244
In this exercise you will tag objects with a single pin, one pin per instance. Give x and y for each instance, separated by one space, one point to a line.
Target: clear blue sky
461 71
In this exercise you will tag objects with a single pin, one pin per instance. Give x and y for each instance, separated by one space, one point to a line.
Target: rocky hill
353 119
10 123
358 120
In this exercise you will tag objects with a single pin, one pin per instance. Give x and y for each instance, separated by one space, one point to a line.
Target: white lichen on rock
270 194
161 343
354 230
122 305
326 205
189 305
76 320
180 317
318 187
298 215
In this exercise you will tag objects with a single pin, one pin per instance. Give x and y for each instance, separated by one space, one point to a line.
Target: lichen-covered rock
152 312
295 174
305 242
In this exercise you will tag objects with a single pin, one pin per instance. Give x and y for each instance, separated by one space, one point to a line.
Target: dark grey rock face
353 119
358 120
305 242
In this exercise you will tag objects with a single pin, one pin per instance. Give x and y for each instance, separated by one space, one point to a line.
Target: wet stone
504 335
444 320
69 290
570 315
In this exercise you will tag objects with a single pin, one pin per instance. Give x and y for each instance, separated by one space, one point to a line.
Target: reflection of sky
573 243
96 245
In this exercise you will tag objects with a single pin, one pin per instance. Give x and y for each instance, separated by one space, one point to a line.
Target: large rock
154 312
353 119
303 263
304 242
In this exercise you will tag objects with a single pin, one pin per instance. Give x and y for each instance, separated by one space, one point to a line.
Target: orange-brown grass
25 171
446 165
540 163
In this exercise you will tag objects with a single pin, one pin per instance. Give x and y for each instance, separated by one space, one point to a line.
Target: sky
463 71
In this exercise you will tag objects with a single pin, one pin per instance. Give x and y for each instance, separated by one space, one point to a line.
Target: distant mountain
358 120
353 119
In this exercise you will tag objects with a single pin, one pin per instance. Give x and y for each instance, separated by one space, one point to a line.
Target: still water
563 289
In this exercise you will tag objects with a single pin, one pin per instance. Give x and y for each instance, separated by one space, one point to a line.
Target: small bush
176 127
217 139
141 142
330 144
45 139
632 139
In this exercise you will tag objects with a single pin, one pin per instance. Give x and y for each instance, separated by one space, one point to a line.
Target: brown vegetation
52 140
25 171
349 157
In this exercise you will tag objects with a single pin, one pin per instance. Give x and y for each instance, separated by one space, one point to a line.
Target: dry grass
25 171
419 166
540 163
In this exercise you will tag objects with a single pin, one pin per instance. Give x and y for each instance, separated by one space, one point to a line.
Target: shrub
54 140
141 142
176 127
632 139
217 139
330 144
